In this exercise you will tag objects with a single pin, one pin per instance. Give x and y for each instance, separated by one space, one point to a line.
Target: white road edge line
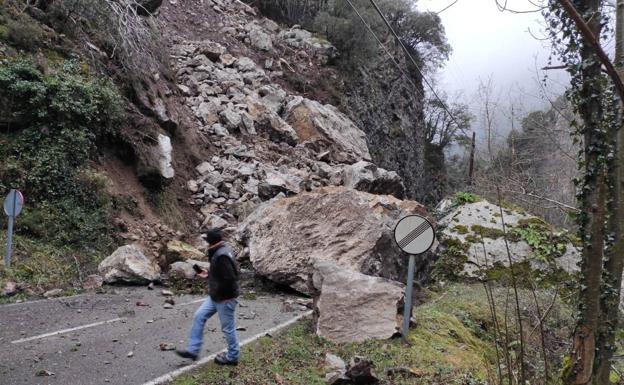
177 373
64 331
60 299
192 302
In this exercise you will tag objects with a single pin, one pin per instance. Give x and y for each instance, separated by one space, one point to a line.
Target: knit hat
214 236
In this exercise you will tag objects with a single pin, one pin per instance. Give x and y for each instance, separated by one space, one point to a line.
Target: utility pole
472 155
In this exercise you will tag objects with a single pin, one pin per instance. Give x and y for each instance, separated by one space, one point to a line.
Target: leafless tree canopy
132 40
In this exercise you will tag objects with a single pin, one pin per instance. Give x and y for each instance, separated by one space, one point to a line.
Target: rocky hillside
241 110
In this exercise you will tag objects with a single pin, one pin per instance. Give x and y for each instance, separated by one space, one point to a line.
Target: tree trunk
592 207
614 264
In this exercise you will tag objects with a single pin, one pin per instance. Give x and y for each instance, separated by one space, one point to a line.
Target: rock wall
390 111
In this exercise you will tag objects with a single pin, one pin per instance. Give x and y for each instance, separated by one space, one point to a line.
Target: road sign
13 203
12 207
414 235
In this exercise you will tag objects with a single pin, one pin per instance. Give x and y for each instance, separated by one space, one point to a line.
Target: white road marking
64 331
177 373
192 302
59 299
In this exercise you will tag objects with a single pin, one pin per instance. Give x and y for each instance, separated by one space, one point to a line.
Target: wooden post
472 155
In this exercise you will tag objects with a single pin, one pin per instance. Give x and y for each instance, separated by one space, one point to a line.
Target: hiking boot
186 354
222 359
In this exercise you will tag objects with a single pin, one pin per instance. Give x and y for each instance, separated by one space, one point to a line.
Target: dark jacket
223 274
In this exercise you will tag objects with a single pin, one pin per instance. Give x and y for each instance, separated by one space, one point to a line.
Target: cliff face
389 109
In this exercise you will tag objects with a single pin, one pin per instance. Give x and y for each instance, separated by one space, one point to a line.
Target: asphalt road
107 339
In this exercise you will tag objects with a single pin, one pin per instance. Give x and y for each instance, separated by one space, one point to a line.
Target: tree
441 128
579 26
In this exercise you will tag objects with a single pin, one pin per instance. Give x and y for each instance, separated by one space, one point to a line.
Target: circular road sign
414 234
13 203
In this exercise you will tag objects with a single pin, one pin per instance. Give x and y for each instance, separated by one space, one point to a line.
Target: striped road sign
414 234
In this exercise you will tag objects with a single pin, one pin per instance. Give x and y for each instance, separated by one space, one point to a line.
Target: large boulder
175 251
164 155
472 240
276 182
353 307
185 270
324 128
351 228
128 264
366 176
301 39
259 37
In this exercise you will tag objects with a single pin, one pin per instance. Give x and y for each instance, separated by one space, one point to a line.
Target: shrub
461 198
57 121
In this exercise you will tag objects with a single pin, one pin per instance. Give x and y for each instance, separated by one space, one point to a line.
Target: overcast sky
489 43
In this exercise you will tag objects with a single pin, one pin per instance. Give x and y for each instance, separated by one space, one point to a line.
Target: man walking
222 299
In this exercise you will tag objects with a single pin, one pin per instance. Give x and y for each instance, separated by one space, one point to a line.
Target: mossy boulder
473 241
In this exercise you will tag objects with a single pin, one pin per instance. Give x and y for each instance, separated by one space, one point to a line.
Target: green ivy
546 245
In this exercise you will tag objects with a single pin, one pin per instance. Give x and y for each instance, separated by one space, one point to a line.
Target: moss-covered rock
473 241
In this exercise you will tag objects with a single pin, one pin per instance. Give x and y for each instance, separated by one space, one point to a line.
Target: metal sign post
414 235
12 207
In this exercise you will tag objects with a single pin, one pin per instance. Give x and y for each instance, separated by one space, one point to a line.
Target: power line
409 55
383 46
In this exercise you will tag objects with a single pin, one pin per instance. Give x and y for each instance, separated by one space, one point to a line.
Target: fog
501 46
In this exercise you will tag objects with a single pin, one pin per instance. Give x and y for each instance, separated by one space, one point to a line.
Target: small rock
10 288
165 346
227 60
150 286
53 293
360 371
131 354
193 186
245 64
186 91
44 373
168 306
241 329
336 369
204 168
141 303
166 293
170 301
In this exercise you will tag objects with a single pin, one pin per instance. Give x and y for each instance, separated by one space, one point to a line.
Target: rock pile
268 142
